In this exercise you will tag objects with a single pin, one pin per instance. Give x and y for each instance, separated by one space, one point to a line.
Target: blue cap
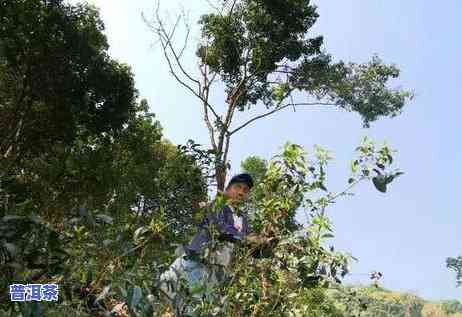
242 178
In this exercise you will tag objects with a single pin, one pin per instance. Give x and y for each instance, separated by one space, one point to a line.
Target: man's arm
227 231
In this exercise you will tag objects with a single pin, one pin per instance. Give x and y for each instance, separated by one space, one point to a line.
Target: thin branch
290 95
174 73
210 127
345 191
212 80
161 31
276 110
173 30
232 100
205 94
292 102
186 39
232 7
165 40
227 141
235 95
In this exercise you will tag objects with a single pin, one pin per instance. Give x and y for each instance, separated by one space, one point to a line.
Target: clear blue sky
408 232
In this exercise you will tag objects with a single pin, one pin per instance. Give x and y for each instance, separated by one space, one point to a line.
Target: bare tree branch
232 7
232 101
205 94
165 38
161 31
186 39
345 191
227 142
276 110
172 70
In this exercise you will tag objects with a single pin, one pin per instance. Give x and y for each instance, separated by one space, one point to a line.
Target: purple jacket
225 224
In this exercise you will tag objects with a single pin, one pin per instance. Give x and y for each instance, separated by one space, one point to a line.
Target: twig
276 110
232 7
161 31
165 38
346 189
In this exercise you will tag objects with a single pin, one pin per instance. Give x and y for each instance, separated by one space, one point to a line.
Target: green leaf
354 166
391 177
380 183
390 158
397 174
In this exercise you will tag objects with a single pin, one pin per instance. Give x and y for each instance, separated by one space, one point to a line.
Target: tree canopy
264 54
87 180
57 81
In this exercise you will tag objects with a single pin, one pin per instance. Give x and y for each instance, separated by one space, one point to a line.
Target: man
201 276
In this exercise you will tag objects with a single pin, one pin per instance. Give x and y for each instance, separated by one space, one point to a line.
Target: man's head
239 187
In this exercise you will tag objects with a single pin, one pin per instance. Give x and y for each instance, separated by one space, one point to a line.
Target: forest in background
95 199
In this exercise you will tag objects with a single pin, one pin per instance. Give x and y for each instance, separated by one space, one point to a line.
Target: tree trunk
220 172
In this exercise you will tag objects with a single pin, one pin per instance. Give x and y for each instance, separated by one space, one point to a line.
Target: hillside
376 301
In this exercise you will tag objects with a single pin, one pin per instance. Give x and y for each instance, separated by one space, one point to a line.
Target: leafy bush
297 264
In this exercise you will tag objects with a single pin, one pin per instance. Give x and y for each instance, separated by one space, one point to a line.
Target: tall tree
86 177
261 52
57 80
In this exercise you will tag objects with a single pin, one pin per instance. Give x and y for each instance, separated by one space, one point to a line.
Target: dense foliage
57 81
264 44
263 54
88 185
297 264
